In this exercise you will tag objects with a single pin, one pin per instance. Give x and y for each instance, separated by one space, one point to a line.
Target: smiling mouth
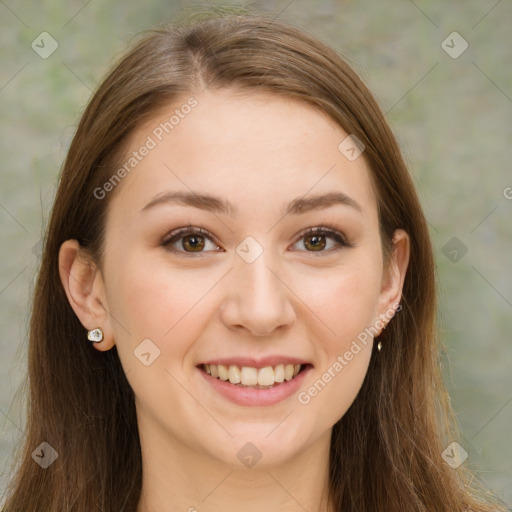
255 378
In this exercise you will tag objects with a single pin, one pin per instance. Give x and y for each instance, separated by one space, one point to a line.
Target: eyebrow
211 203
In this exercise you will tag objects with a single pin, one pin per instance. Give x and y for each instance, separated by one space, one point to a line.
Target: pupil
317 241
193 241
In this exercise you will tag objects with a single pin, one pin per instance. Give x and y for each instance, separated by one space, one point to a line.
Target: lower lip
256 397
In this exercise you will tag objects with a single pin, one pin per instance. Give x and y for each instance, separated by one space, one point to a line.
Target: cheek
336 386
166 306
344 301
345 306
343 352
157 301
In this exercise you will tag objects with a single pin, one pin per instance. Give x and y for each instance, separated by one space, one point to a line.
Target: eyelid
329 232
324 230
184 231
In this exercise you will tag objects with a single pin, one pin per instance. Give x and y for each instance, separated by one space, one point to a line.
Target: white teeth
279 373
266 376
223 372
234 374
288 372
249 376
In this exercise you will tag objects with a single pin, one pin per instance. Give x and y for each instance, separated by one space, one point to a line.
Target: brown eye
315 242
194 243
190 240
322 240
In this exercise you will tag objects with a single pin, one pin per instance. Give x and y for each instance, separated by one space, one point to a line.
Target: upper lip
256 362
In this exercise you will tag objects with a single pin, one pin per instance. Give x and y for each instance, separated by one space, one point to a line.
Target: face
203 293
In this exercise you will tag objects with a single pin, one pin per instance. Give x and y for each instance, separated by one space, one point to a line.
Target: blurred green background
451 113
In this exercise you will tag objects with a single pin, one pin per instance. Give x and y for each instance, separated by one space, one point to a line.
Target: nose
257 297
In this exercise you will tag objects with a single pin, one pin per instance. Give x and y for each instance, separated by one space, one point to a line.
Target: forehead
256 150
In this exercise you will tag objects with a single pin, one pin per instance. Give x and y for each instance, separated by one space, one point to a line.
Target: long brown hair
386 450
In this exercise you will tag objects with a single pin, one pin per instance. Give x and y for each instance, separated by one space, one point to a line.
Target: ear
84 287
393 279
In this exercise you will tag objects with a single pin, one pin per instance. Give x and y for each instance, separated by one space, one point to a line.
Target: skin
259 151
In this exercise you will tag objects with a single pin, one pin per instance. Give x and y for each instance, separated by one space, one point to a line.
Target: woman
236 302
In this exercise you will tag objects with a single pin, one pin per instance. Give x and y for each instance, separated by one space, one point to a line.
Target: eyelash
318 230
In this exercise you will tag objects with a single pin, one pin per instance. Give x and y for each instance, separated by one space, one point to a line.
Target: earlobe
84 289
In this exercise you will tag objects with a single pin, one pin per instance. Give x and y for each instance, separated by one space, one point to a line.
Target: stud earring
96 335
379 344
